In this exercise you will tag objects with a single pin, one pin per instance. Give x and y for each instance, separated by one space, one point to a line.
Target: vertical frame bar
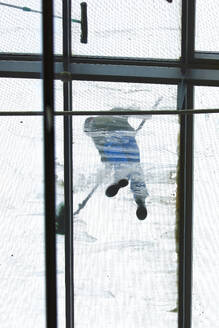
186 171
185 198
188 219
68 168
188 33
49 165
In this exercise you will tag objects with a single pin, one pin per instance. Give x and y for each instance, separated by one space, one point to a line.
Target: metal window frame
49 165
68 168
192 69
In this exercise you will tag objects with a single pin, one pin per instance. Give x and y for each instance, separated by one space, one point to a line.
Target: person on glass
115 141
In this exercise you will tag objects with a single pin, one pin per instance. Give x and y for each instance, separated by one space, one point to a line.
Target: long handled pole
83 204
144 120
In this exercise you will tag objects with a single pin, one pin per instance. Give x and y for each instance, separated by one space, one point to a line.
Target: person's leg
139 190
120 179
138 186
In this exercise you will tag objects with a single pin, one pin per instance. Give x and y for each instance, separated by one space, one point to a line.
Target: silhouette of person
115 141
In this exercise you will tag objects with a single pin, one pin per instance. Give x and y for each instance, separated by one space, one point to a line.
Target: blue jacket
114 138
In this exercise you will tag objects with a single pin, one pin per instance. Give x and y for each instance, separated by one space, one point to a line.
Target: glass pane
206 200
60 241
125 268
107 95
207 98
129 28
26 95
58 26
207 26
22 249
20 95
21 26
20 29
58 95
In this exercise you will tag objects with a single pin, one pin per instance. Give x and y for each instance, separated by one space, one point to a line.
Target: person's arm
148 117
88 126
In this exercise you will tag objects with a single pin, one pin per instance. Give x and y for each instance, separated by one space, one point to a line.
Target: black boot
141 211
113 189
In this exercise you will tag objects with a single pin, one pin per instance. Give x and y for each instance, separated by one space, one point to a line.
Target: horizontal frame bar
110 113
25 68
207 55
108 72
144 74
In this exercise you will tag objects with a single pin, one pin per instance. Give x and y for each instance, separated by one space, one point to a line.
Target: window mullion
49 164
185 211
68 166
185 179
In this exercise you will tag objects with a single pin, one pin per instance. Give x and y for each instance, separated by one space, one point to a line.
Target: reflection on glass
129 28
125 269
22 249
207 26
206 200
